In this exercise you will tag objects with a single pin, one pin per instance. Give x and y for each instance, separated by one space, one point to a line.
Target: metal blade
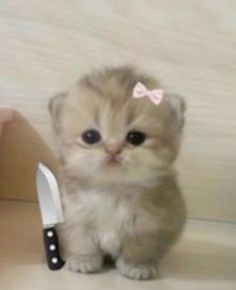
49 197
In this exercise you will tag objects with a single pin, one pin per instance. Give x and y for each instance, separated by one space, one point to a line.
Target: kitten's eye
135 138
91 136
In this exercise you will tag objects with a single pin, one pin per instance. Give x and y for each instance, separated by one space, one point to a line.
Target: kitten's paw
137 272
84 263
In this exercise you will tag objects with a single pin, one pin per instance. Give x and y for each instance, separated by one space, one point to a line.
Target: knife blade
51 214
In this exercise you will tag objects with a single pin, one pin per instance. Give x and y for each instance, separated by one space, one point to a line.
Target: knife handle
51 245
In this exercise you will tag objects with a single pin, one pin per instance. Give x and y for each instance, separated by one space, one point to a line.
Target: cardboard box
21 148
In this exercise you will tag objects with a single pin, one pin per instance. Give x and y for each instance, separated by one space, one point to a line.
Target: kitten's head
106 135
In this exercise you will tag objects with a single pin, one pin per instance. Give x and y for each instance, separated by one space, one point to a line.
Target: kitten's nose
113 148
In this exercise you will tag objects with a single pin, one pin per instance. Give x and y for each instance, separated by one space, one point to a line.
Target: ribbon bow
141 91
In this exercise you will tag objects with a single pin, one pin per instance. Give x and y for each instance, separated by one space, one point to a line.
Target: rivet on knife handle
52 249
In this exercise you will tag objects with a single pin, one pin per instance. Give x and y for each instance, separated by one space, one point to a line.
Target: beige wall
189 45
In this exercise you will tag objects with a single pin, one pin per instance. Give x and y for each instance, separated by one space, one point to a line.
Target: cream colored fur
132 210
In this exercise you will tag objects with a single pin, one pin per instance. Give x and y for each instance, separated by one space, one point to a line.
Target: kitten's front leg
141 253
137 258
82 254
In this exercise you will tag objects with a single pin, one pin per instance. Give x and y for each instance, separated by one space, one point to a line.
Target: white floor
205 258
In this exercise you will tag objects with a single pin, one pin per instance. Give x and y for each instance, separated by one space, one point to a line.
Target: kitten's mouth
113 160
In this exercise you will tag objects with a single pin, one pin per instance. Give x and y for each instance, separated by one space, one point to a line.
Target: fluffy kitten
121 195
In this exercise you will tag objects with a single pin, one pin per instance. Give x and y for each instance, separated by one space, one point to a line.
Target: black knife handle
52 250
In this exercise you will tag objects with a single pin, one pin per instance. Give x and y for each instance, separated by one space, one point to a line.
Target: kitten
121 195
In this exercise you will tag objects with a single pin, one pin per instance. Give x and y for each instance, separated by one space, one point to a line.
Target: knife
51 214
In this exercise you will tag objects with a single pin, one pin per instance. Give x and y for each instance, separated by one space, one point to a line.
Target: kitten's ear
177 109
56 109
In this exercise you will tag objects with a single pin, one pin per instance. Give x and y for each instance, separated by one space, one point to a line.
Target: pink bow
141 91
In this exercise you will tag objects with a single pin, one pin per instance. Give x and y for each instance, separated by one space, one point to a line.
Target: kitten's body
131 209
